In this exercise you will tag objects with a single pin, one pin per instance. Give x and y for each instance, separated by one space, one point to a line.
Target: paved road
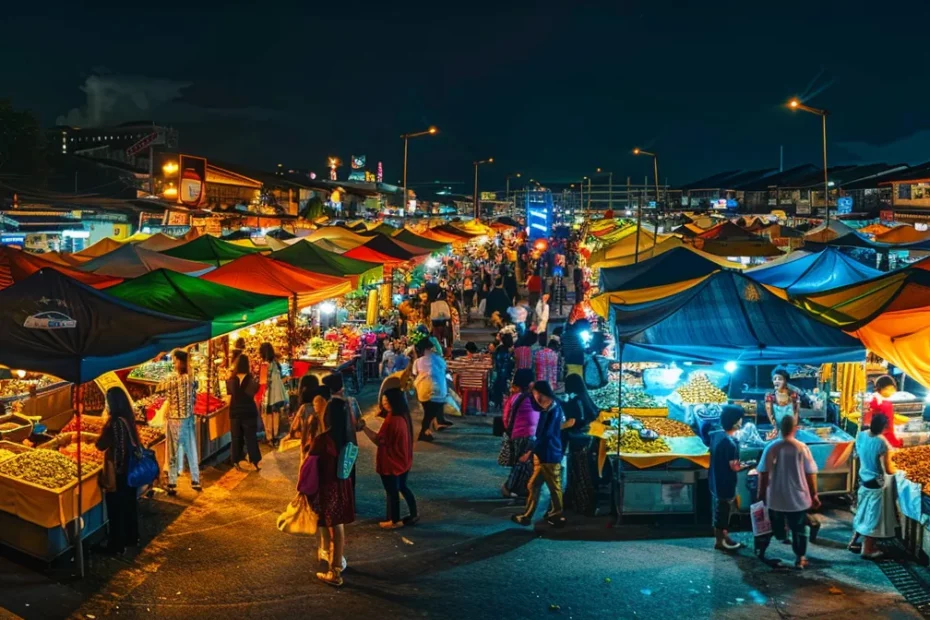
219 555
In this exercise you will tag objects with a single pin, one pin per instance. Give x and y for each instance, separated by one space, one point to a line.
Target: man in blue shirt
547 457
724 464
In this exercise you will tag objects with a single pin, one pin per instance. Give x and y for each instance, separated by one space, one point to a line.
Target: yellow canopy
343 237
104 246
626 245
647 249
136 237
601 304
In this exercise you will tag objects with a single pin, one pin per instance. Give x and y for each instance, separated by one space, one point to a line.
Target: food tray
17 433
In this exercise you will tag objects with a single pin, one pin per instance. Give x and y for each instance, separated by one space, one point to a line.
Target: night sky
552 91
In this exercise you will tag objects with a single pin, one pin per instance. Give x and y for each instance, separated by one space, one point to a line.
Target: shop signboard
844 204
803 209
886 215
358 162
192 175
357 175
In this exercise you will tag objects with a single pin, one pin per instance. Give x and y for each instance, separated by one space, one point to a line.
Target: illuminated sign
192 189
358 162
844 204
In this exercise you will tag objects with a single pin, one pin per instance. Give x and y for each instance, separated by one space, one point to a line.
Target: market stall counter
38 500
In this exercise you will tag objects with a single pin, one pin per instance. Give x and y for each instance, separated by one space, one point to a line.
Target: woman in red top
335 501
395 457
885 387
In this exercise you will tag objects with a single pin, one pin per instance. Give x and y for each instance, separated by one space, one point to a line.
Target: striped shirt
181 393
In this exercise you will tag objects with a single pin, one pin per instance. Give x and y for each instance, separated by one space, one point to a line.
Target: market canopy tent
337 236
210 250
17 265
53 324
280 234
828 232
903 234
750 249
626 246
137 237
849 240
459 233
411 238
874 229
727 317
314 259
384 250
812 273
646 251
104 246
728 231
677 265
131 261
260 274
225 308
159 242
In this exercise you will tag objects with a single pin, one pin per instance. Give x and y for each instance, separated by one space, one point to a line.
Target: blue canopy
850 240
728 317
53 324
676 265
813 273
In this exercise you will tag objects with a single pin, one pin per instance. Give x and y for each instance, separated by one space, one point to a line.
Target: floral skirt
335 503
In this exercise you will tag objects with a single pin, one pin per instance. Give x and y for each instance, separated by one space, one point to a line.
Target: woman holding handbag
334 501
118 439
520 419
243 414
274 396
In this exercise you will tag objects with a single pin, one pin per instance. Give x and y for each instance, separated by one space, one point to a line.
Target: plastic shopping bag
761 524
298 518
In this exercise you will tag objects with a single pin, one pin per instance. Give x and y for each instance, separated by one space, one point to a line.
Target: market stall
209 250
52 324
813 272
132 261
314 259
17 265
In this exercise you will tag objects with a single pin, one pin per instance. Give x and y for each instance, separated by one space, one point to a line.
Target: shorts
723 511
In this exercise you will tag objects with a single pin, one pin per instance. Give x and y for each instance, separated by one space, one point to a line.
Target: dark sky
550 90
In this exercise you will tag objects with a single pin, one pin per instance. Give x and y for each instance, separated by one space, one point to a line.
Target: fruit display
8 426
89 453
915 462
319 347
153 372
45 468
666 427
633 397
699 389
149 436
11 388
6 454
632 443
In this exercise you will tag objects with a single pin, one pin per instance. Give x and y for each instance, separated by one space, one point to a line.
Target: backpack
439 311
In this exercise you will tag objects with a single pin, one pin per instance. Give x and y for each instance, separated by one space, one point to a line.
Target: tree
22 143
313 210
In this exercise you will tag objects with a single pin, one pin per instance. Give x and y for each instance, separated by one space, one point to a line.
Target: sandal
333 577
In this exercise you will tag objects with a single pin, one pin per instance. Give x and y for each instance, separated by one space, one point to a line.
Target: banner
192 180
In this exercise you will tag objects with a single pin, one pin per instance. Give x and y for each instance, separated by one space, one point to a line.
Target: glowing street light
170 168
639 217
430 131
795 104
489 160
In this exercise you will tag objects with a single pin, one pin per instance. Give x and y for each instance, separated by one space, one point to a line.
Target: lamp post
610 188
639 217
432 131
507 192
795 104
489 160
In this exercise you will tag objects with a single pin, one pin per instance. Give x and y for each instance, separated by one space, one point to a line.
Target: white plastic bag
761 524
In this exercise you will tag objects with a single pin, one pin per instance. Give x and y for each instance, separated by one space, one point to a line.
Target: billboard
844 204
192 180
358 162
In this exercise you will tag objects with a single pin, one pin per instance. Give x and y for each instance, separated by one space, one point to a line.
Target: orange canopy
259 274
104 246
902 234
16 265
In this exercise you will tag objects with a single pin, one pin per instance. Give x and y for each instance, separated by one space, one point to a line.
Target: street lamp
507 191
610 188
639 217
432 131
489 160
795 104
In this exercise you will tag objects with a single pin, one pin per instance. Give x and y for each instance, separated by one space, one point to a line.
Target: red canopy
259 274
382 249
16 265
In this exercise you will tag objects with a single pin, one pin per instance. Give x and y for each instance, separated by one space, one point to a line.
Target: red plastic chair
473 383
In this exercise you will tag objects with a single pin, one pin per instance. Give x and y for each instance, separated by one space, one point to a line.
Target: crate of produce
66 443
15 427
8 450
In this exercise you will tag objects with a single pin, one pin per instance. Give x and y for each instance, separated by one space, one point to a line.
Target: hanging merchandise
371 317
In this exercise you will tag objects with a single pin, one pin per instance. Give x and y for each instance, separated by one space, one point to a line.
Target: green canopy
411 238
309 257
384 229
210 250
226 308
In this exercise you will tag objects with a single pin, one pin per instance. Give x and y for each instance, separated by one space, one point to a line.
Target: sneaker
728 546
172 490
333 577
411 520
521 520
391 525
196 486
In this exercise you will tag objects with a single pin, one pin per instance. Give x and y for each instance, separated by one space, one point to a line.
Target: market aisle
219 554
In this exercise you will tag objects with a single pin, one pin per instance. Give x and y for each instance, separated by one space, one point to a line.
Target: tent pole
618 469
291 331
79 522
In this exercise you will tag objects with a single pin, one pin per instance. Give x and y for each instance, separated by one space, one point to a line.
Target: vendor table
669 488
322 367
213 433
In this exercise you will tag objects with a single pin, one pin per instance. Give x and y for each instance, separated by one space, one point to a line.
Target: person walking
394 457
788 481
504 364
274 396
876 516
117 440
243 414
334 501
541 314
520 418
546 360
724 465
181 431
432 390
523 351
546 456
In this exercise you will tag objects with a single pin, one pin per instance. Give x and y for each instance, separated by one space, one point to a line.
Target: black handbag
507 458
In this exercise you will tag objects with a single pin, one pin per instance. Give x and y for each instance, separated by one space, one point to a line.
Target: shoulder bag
507 458
143 468
346 460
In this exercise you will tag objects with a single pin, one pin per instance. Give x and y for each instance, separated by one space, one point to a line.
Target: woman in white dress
876 516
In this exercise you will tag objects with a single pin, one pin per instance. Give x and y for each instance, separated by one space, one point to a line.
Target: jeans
551 474
395 486
797 523
182 444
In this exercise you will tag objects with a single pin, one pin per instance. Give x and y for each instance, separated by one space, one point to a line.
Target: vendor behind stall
782 401
885 388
